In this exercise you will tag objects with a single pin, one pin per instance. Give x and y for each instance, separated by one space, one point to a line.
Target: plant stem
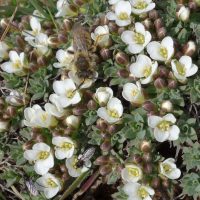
74 185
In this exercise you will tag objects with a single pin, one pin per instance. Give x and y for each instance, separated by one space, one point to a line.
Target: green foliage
91 117
95 136
10 176
191 185
191 156
11 80
120 195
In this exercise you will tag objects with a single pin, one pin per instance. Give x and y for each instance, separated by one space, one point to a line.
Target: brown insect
82 45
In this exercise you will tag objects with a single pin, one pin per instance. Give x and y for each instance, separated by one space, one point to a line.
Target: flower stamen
164 52
142 192
43 155
123 16
164 125
139 38
51 183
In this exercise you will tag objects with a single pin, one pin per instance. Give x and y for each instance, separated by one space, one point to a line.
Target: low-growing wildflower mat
100 99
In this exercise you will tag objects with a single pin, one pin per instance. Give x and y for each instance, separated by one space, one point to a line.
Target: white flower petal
41 146
127 37
31 155
135 48
111 16
170 117
153 121
174 133
161 136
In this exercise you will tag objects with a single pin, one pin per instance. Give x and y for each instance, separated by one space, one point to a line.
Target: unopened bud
106 145
148 168
103 20
63 168
79 110
167 106
112 27
105 170
183 13
92 105
136 159
160 83
172 84
102 160
165 183
121 30
147 157
112 129
28 145
189 49
147 24
158 23
153 14
161 32
67 25
148 106
145 146
62 38
11 111
105 54
123 73
122 58
155 183
72 121
101 124
53 42
41 61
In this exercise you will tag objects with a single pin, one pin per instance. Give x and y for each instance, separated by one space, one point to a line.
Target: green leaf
11 80
91 117
10 177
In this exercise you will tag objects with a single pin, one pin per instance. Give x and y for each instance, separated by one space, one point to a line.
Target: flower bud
163 71
62 38
159 83
28 145
148 106
193 5
106 145
147 24
3 126
158 23
121 58
153 14
189 49
105 170
63 168
11 111
147 157
67 25
155 183
145 146
121 30
105 53
165 183
148 168
101 124
53 42
39 138
102 95
102 160
72 121
64 177
161 32
20 41
167 106
41 61
112 27
92 105
79 110
103 20
136 159
123 73
112 129
172 84
183 13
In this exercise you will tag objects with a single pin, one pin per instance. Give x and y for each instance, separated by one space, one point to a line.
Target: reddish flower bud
158 23
160 83
122 58
105 170
189 48
92 105
145 146
123 73
106 54
102 160
106 145
153 14
172 84
148 106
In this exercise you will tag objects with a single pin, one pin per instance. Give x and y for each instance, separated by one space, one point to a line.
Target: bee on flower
121 14
112 112
136 40
164 128
49 184
144 69
168 169
131 173
183 68
136 191
41 156
37 117
161 51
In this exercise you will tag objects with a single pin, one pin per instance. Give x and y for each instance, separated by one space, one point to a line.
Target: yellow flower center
113 113
51 183
142 193
17 64
167 168
74 163
134 92
133 171
44 117
70 94
164 52
66 145
123 16
180 68
141 5
43 155
164 125
147 71
139 38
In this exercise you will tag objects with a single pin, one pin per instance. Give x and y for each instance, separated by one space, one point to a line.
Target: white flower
36 29
183 68
3 51
112 112
41 43
82 82
75 170
168 168
183 14
41 156
54 110
142 6
66 92
65 58
164 128
101 35
136 40
161 51
37 117
136 191
3 126
48 184
113 2
144 69
16 64
122 14
131 173
64 9
64 147
103 95
133 93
